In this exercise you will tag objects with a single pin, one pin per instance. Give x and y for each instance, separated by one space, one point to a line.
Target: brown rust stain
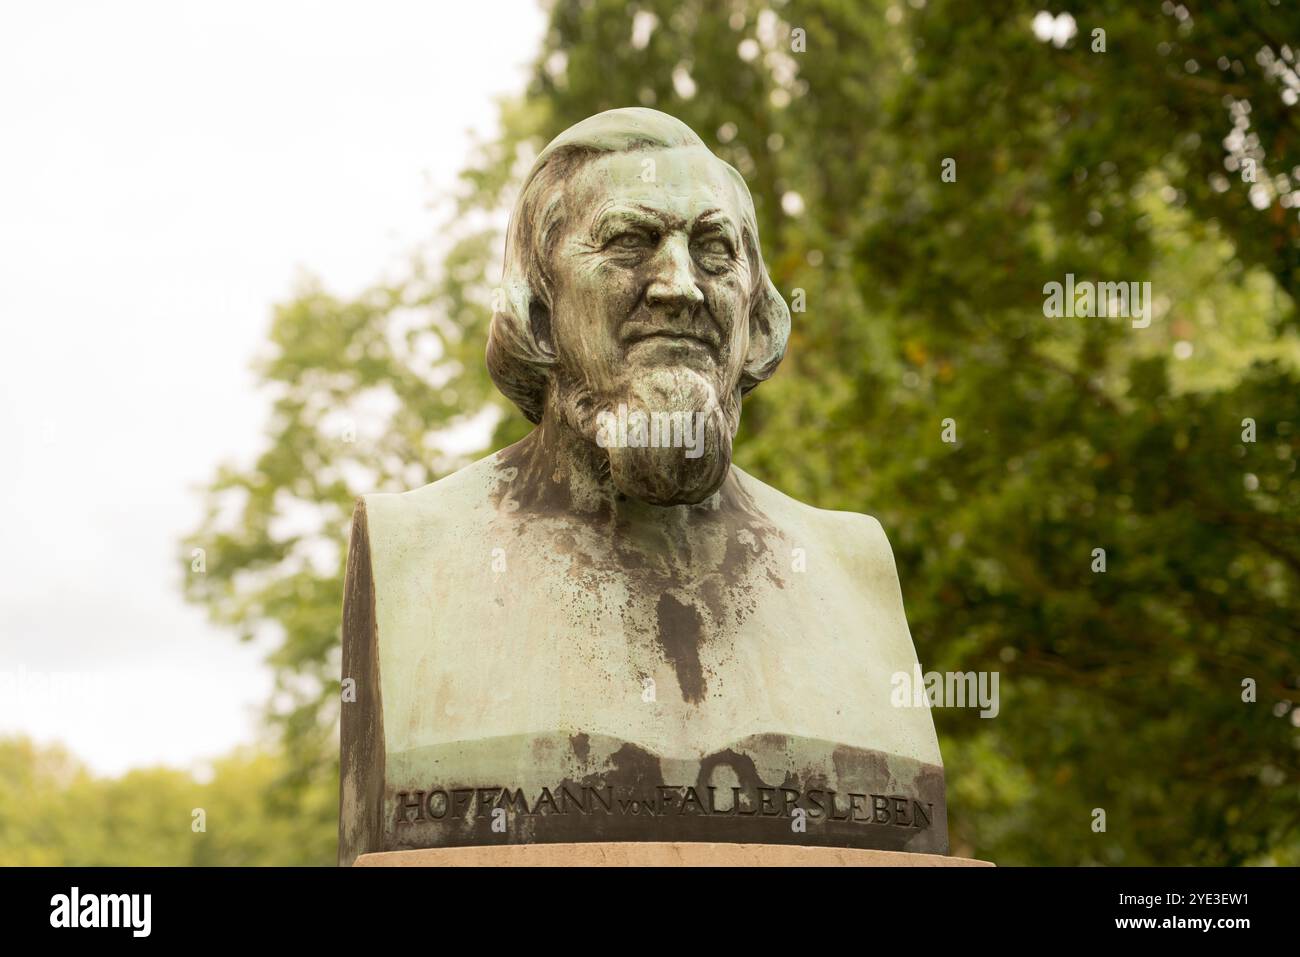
581 745
741 764
679 628
632 766
692 573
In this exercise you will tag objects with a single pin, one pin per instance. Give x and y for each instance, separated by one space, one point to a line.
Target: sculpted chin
622 616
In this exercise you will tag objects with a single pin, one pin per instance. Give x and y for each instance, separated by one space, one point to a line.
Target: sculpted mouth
684 338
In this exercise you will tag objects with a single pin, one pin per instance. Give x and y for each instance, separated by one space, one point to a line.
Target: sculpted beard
665 475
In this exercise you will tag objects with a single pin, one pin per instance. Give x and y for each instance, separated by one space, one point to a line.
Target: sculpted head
635 286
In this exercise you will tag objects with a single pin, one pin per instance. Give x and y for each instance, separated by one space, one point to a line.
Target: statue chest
684 650
566 693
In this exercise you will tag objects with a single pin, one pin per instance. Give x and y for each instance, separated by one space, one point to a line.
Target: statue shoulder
852 539
453 505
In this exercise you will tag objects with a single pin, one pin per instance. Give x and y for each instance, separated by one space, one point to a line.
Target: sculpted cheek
724 309
615 283
735 281
726 298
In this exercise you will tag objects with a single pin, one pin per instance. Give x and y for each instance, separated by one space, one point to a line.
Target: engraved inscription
437 804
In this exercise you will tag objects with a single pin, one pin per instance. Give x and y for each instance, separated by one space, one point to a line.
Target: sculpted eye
634 239
713 251
714 247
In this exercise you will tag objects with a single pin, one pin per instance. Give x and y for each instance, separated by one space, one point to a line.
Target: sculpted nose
673 283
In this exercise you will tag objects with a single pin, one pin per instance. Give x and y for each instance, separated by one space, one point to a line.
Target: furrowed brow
716 221
609 221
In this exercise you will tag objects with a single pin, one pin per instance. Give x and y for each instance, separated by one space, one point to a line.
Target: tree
924 300
54 812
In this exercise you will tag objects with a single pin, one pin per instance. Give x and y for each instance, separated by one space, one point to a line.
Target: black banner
932 907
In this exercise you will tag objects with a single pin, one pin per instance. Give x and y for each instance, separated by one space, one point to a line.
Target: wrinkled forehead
682 184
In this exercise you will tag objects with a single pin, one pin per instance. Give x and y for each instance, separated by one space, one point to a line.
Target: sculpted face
649 311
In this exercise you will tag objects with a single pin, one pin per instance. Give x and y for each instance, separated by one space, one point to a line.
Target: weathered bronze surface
607 631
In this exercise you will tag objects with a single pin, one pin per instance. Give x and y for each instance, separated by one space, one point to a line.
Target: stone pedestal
657 854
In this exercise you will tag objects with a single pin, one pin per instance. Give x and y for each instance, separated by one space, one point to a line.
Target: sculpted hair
520 350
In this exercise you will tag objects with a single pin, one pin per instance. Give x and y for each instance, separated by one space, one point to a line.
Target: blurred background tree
54 812
1164 149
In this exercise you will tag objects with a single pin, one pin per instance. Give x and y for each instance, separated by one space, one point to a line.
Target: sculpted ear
539 325
769 331
529 316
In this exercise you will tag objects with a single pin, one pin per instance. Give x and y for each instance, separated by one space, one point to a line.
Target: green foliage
54 812
1121 690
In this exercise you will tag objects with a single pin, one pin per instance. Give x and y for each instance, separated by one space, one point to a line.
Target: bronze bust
608 632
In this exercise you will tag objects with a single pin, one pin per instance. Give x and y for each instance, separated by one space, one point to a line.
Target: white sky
166 172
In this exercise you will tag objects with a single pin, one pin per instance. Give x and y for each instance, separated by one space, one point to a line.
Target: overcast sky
168 171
